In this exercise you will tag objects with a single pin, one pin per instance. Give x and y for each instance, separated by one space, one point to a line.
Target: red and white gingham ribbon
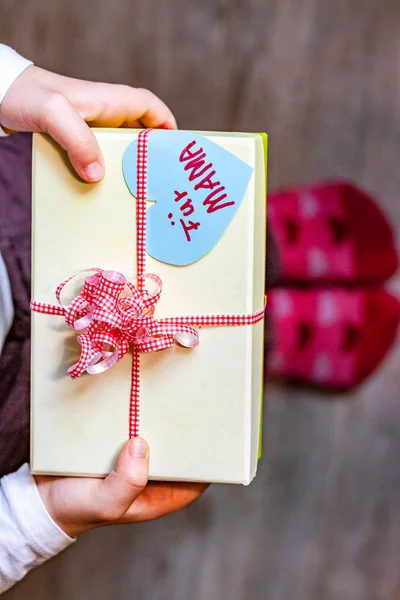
116 316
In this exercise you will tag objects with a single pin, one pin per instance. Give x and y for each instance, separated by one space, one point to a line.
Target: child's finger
59 119
162 498
109 105
120 489
154 112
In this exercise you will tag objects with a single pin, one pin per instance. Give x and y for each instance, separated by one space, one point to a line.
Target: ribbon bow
114 321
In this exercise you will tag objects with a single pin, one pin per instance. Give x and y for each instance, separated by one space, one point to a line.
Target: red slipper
332 339
331 233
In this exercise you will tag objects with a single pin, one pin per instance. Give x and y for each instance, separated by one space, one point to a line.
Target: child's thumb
60 120
121 488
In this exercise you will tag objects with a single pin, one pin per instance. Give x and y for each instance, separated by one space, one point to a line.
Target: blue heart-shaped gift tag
196 187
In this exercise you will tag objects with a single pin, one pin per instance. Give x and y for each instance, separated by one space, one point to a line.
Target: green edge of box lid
265 144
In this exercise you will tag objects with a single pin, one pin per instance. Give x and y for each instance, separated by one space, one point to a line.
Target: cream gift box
199 408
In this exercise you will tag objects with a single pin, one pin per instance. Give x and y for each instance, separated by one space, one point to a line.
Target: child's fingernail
170 124
137 448
94 171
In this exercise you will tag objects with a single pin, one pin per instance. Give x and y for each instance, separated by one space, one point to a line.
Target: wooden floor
322 520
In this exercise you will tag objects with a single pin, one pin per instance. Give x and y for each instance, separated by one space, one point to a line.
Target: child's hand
42 101
78 504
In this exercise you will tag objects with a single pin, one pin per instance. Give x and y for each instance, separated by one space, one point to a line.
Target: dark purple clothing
15 247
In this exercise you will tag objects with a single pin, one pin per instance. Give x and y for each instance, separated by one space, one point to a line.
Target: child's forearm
28 535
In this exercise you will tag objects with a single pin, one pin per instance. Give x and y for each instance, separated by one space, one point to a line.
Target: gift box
188 209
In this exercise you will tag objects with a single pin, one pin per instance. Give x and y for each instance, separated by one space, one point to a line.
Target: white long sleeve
28 535
6 303
12 65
